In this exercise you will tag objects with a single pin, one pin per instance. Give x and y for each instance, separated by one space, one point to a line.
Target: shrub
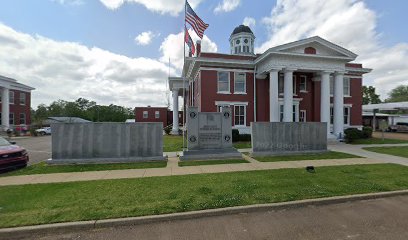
367 132
350 134
167 130
245 137
235 135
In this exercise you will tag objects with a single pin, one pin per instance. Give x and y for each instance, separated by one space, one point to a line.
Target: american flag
189 41
196 23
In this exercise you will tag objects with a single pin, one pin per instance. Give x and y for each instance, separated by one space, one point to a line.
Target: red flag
196 23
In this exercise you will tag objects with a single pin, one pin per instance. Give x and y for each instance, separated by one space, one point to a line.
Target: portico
176 87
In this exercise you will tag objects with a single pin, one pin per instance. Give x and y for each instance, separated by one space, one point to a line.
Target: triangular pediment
321 46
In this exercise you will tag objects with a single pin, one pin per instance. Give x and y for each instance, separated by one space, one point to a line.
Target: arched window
310 50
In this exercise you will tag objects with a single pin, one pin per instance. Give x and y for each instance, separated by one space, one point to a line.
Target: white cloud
250 22
68 70
144 38
349 23
70 2
172 7
227 6
172 47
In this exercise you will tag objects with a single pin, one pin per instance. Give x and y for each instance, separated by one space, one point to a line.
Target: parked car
399 127
11 155
43 131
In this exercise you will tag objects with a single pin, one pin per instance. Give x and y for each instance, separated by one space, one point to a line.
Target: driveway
384 218
39 148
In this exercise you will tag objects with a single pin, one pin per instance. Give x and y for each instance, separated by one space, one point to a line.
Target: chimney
198 47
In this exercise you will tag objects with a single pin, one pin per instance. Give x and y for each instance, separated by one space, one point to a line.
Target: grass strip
396 151
310 156
101 199
43 168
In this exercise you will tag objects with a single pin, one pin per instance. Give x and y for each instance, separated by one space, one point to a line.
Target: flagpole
184 84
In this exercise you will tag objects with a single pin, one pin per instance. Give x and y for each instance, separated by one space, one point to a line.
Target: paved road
39 148
384 218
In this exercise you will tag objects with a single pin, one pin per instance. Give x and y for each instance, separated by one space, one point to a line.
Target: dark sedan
11 155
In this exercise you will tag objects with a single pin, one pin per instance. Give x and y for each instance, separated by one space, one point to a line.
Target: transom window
223 82
302 84
239 115
145 114
239 83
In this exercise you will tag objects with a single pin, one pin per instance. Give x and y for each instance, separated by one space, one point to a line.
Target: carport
392 106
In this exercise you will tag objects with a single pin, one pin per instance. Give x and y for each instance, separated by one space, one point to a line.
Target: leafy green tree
398 94
369 95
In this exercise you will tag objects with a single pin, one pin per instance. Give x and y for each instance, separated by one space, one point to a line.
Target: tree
369 95
398 94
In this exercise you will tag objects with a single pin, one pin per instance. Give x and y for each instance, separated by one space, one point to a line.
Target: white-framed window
11 118
223 82
302 116
346 115
145 114
11 97
303 84
280 83
346 86
240 83
295 112
157 114
22 98
22 119
239 115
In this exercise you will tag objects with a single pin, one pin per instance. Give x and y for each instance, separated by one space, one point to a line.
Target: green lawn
396 151
90 200
312 156
42 168
172 143
240 145
210 162
378 141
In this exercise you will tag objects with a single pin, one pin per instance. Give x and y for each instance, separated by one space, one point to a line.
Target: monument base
104 160
286 153
210 154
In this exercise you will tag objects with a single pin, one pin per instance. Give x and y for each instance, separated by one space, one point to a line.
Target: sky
118 51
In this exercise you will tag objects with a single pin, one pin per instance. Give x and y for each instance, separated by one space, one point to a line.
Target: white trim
226 69
227 103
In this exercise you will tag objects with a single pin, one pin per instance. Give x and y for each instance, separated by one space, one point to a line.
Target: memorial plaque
209 135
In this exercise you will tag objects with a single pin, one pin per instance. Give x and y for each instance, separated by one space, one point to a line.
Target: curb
19 232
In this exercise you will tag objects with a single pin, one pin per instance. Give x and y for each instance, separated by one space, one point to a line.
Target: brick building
15 104
310 80
155 114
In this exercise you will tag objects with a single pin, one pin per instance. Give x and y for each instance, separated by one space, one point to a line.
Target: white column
5 108
175 128
274 111
325 99
338 105
288 96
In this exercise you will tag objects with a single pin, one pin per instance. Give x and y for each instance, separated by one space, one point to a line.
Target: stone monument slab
209 135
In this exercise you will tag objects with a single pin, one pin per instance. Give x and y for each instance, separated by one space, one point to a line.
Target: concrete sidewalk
173 169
